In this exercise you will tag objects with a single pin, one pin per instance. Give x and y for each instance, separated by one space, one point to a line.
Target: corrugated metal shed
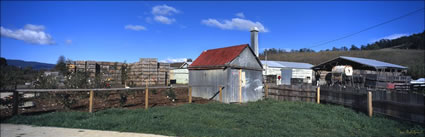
284 64
235 68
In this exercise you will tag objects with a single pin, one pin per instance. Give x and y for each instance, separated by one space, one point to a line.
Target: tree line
415 41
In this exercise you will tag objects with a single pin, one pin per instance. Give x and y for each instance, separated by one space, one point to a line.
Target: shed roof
220 57
374 63
357 63
285 64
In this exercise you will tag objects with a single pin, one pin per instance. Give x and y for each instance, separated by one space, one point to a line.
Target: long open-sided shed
365 72
235 68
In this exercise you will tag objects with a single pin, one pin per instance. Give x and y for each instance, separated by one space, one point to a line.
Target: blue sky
127 31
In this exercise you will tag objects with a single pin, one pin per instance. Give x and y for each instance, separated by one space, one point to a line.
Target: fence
30 101
401 105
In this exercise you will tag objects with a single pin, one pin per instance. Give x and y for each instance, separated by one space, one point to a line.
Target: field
263 118
413 59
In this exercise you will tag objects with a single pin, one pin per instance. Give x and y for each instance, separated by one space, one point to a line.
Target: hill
413 59
34 65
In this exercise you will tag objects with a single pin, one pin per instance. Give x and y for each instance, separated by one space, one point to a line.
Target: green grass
263 118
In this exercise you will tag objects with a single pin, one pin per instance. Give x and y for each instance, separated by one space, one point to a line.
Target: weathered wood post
369 103
266 91
91 101
146 96
190 94
318 95
15 102
240 86
220 94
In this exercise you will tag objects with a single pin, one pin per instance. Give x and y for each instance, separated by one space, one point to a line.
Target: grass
263 118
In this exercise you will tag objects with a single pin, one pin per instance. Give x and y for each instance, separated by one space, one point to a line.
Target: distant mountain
34 65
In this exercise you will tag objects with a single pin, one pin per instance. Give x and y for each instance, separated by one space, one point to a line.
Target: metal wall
246 60
205 84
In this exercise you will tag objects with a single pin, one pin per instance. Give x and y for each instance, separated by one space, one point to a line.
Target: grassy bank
264 118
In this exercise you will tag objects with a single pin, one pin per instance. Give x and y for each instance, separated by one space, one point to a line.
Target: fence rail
29 101
405 106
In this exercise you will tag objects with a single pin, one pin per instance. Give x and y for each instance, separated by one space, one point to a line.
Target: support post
146 96
240 86
15 102
220 94
190 94
318 95
369 103
266 91
91 101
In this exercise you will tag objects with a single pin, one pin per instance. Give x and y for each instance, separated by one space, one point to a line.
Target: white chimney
254 40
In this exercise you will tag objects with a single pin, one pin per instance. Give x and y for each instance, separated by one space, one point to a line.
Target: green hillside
413 59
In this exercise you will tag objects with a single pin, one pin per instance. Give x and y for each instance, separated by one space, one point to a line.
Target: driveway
13 130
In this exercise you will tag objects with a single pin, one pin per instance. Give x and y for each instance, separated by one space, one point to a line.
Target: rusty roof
218 57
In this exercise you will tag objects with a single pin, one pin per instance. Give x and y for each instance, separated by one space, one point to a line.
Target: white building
179 74
282 72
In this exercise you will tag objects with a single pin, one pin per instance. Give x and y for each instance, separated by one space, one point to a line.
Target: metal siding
286 76
246 59
205 82
253 89
303 73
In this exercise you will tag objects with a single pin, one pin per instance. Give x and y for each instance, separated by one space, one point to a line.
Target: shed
179 74
365 72
235 68
289 72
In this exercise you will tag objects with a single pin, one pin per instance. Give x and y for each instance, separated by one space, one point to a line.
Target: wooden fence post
220 94
146 96
318 95
15 102
266 91
369 103
91 101
190 94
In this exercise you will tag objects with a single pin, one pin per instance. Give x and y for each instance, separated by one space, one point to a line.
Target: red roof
218 57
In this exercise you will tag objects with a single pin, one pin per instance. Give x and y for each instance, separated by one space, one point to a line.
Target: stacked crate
111 72
163 73
148 71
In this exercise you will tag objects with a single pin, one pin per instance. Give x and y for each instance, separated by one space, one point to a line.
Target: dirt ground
79 101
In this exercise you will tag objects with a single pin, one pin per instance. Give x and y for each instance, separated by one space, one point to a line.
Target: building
235 68
179 74
287 73
361 72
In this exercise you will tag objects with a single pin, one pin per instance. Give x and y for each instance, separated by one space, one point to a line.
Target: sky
173 31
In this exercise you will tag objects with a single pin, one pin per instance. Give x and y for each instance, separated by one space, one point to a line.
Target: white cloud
33 34
162 14
164 20
172 60
164 10
240 15
34 27
135 27
391 37
234 24
68 41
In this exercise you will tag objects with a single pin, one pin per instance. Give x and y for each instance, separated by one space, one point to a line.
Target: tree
353 47
61 65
